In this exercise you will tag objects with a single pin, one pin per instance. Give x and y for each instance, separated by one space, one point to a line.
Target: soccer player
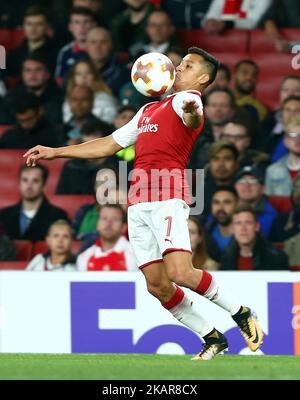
164 133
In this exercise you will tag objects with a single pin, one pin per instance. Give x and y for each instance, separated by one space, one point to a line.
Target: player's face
244 228
237 135
223 165
246 77
292 140
190 73
218 108
34 74
35 27
223 206
249 189
31 184
290 109
290 87
80 25
59 240
195 237
110 224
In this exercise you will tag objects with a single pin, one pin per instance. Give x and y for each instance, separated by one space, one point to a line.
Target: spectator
81 102
36 41
223 78
237 132
274 142
223 165
111 251
187 15
7 248
249 250
281 15
279 177
59 257
78 176
160 33
246 74
250 188
31 217
84 73
32 127
96 6
36 79
224 14
125 114
290 87
99 47
200 255
224 203
80 23
128 27
175 54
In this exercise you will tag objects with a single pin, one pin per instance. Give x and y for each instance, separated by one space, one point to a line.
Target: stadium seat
7 200
231 59
71 203
17 38
232 40
267 91
259 42
12 265
280 203
23 249
4 128
11 159
42 247
6 38
274 64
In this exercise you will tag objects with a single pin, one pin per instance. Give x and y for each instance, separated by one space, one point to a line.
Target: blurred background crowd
66 80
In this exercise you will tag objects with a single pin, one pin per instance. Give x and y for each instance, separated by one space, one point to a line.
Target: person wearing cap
250 187
36 79
249 250
221 170
279 176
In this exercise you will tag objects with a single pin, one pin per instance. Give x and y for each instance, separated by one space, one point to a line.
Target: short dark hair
211 62
220 145
94 126
27 101
39 58
242 122
116 207
41 167
221 90
82 11
225 68
249 62
245 207
35 10
226 188
290 98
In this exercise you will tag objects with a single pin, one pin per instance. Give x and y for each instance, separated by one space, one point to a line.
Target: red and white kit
158 195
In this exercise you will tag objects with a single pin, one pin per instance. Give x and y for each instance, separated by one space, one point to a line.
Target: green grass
135 367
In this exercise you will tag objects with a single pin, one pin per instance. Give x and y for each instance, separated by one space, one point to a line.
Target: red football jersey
163 147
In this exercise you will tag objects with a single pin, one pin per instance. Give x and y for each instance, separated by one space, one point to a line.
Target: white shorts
158 227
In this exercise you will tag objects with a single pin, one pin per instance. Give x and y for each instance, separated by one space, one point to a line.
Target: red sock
175 299
204 283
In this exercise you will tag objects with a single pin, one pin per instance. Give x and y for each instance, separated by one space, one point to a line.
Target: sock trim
175 299
204 283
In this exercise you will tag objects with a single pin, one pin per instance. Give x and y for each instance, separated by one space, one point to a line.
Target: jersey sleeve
127 135
180 97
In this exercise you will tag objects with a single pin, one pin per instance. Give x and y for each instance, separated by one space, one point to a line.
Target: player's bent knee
179 276
160 291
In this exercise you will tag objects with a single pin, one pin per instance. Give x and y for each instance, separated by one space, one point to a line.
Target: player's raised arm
192 113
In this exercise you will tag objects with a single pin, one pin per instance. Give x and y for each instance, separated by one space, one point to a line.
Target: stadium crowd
67 81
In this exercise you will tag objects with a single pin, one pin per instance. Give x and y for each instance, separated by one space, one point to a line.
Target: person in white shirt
111 251
59 256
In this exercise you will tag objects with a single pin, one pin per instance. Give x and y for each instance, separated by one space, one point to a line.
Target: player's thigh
142 239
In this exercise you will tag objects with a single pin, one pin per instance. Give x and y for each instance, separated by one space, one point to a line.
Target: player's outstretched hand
191 107
38 153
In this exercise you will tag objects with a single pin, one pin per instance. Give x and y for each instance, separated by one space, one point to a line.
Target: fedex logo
87 298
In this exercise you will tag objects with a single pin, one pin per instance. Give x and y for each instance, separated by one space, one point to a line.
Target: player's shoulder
187 93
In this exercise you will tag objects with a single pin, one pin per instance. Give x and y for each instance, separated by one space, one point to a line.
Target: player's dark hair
82 11
26 102
290 98
211 62
225 68
226 188
220 145
221 90
41 167
249 62
245 208
116 207
36 10
95 127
